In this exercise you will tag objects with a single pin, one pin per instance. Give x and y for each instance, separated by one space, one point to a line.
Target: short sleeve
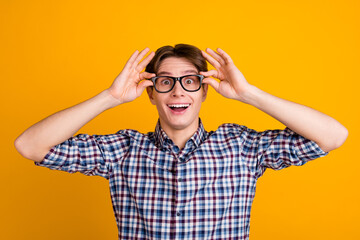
278 149
88 154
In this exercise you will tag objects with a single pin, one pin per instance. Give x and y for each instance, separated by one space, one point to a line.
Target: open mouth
178 107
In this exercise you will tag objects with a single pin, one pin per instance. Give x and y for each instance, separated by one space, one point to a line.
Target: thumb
212 82
143 85
211 73
146 75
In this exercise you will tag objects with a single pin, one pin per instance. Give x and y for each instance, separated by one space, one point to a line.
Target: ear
150 92
205 90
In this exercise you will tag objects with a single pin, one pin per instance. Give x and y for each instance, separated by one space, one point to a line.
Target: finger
145 62
212 82
225 56
142 86
211 73
216 56
146 75
131 59
211 60
140 56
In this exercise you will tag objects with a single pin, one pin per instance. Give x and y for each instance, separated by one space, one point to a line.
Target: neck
180 136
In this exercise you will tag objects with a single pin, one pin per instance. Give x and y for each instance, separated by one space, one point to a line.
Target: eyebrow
184 72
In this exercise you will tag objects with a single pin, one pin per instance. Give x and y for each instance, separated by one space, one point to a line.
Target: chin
178 124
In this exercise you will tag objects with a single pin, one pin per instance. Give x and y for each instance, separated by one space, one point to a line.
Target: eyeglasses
190 83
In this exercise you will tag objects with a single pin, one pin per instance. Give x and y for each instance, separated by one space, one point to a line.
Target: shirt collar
162 140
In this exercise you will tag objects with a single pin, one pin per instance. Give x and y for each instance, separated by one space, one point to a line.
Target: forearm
37 140
307 122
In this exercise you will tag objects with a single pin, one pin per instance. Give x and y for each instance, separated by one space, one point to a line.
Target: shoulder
130 133
136 137
247 135
231 129
231 134
121 137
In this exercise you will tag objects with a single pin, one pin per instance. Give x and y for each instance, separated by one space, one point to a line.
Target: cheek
200 98
159 101
204 92
198 101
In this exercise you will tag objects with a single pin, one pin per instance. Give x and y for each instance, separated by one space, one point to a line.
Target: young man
181 182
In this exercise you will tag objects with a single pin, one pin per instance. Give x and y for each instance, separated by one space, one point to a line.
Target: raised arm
328 133
35 142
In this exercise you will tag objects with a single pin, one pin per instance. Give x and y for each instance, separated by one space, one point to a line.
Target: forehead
176 66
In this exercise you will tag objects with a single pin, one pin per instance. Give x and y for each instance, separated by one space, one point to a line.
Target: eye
189 81
166 82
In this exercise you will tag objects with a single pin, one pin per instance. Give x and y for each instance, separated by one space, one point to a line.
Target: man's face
178 109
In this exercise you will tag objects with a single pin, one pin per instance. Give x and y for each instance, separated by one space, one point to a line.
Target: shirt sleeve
278 149
91 155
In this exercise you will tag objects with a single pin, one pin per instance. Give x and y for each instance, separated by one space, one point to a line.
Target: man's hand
314 125
38 139
232 82
129 85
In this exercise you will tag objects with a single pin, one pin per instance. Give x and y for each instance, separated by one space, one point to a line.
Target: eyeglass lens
190 83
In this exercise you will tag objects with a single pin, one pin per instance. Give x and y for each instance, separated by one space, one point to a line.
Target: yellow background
55 54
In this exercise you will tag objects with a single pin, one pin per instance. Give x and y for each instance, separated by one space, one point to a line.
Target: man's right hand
38 139
129 84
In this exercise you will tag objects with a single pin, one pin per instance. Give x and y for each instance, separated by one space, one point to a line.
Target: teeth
178 105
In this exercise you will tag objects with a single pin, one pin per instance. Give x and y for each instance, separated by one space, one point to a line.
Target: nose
177 90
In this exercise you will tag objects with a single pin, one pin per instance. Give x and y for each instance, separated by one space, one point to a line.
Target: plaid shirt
204 191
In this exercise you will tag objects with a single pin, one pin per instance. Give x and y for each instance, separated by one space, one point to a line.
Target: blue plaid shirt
204 191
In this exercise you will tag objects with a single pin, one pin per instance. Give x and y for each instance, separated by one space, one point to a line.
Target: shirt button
178 213
180 179
176 149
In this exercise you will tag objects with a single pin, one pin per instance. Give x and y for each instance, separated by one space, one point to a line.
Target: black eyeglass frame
153 79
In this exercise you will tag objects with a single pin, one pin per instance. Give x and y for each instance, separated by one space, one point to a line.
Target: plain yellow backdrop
55 54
